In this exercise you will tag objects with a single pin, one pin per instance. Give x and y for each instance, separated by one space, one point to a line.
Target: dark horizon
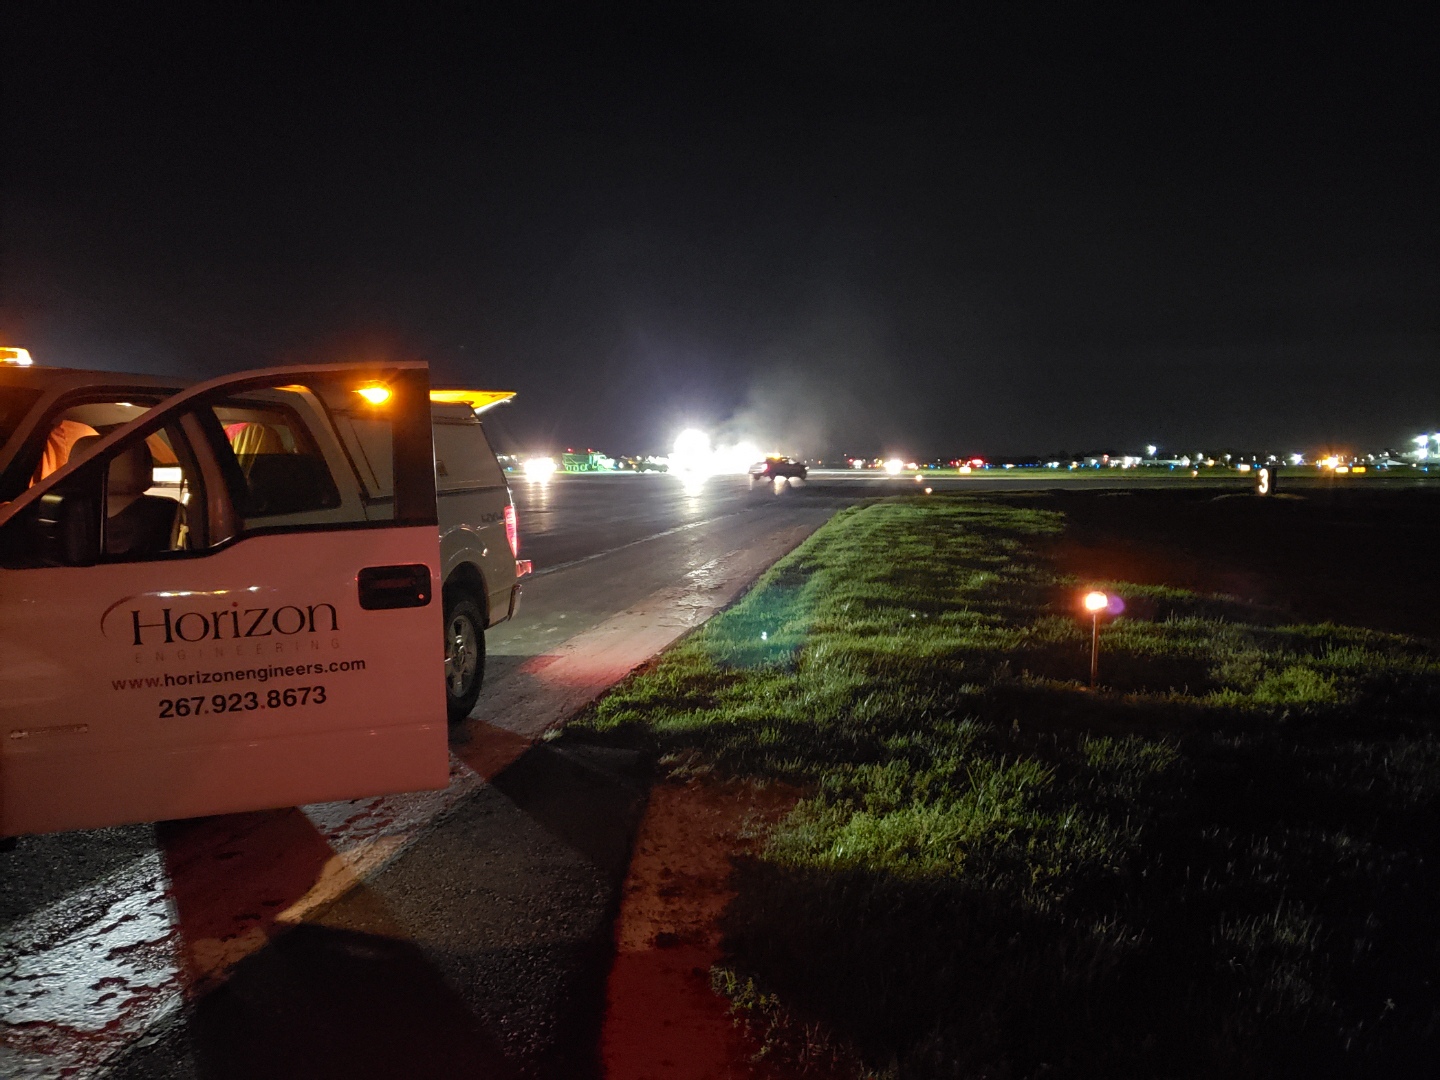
907 230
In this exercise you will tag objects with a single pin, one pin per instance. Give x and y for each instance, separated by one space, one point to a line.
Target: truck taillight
512 531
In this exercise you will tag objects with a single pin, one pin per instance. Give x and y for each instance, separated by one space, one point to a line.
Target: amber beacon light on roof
375 395
478 400
18 357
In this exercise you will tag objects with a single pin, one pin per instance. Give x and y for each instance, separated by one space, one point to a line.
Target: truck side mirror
66 529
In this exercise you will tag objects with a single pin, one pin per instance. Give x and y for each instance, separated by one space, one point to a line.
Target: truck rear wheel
464 653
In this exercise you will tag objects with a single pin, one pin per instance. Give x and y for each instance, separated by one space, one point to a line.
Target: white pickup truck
226 596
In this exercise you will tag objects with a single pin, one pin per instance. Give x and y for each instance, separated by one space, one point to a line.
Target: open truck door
202 612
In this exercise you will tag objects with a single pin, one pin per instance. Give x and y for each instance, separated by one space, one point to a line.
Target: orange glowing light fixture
1095 603
375 395
478 400
18 357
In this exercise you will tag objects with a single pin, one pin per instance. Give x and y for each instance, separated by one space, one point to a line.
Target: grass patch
1221 865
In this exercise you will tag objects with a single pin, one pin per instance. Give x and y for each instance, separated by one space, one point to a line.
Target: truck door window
136 501
55 443
274 466
210 471
368 439
294 458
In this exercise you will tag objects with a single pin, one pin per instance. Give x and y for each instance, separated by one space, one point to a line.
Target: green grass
1223 864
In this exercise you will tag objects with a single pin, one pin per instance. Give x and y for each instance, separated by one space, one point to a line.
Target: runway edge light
1098 603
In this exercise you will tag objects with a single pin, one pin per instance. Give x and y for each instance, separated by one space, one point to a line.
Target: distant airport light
375 395
894 466
539 468
1150 449
691 453
692 441
696 455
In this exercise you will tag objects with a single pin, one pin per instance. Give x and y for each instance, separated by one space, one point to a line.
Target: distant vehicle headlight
539 468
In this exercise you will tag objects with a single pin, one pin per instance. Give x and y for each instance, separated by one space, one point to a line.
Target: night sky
916 230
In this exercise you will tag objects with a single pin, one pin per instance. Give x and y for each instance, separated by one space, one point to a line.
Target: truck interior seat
288 484
137 523
251 440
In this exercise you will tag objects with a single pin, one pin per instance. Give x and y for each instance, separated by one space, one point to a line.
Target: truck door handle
386 587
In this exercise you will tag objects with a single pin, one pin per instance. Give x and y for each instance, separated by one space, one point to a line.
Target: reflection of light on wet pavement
83 977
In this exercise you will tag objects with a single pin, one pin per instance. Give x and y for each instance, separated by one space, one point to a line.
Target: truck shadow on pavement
482 951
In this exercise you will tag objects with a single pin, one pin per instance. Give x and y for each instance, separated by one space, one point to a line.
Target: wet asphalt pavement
481 953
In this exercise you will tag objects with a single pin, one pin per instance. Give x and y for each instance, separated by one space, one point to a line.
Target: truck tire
464 653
